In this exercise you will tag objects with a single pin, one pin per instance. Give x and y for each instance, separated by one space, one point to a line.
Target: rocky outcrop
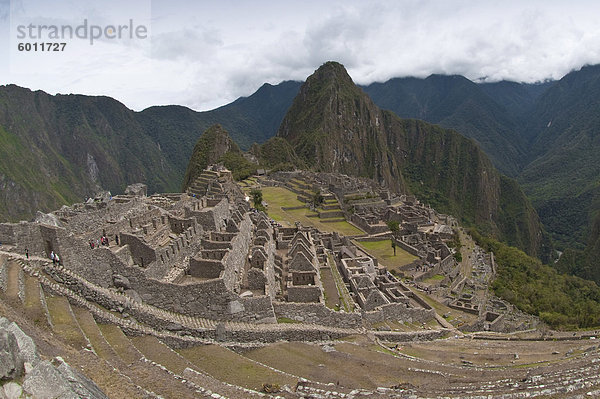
209 149
20 361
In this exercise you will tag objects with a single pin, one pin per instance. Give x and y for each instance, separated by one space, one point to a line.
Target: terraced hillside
124 357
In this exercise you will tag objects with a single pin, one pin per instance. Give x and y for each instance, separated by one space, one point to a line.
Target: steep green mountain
562 178
517 98
215 146
457 103
277 154
56 150
335 127
583 263
561 300
248 120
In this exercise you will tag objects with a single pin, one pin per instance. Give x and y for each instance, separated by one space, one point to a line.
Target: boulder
235 307
121 282
27 347
137 189
11 390
11 361
47 219
83 386
46 382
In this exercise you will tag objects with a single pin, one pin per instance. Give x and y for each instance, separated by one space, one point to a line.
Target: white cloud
205 54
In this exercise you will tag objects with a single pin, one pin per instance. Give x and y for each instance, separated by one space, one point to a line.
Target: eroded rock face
42 379
27 348
121 282
11 390
11 361
46 382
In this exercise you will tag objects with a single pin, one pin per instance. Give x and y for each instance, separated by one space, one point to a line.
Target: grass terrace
384 253
279 197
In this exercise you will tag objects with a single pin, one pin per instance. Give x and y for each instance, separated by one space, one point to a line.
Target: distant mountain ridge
563 177
56 150
544 134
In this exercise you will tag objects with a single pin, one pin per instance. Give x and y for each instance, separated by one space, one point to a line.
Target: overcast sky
203 54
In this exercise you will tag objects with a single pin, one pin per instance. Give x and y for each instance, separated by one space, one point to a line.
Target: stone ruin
423 233
206 254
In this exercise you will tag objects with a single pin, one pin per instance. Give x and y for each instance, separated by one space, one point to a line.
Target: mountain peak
210 148
331 70
333 126
330 75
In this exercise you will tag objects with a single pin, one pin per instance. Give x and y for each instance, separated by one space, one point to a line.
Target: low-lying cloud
203 56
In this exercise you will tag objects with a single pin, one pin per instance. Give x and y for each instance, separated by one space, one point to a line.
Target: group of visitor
102 241
55 258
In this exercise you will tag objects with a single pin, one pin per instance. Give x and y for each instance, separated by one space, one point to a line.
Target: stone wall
86 218
290 334
23 235
408 248
427 335
7 233
212 218
236 258
205 268
3 273
303 293
208 299
272 287
317 313
141 252
398 311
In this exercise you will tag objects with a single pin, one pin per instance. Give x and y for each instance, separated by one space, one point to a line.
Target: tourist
27 253
53 257
57 259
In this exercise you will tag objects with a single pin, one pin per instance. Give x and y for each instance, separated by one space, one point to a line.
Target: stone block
11 361
235 307
27 347
11 390
46 382
80 384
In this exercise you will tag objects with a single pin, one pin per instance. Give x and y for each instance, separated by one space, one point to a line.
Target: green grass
343 294
287 320
63 322
330 291
278 197
434 279
233 368
384 253
120 343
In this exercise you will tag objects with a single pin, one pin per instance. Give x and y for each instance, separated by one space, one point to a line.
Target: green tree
257 198
394 226
317 199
